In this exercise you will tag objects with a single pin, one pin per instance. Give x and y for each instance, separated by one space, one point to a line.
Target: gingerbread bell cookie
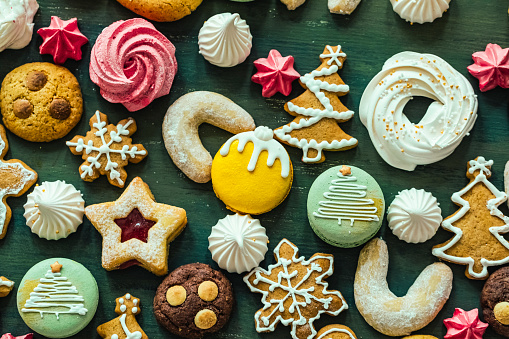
15 179
495 301
194 300
478 225
6 286
294 291
107 149
40 101
125 325
136 230
318 111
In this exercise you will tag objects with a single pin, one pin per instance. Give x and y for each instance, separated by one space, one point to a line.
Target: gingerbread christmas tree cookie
318 111
294 291
15 179
125 325
107 149
478 225
136 230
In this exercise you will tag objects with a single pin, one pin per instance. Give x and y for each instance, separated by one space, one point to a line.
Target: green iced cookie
345 210
55 301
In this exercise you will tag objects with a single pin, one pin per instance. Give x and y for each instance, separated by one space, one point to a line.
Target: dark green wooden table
369 36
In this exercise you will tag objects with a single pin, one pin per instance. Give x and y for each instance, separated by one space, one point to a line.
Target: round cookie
78 297
40 101
495 299
420 336
259 166
194 300
335 331
340 221
161 10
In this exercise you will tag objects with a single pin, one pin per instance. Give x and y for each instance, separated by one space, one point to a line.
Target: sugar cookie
391 315
259 166
400 142
180 129
478 225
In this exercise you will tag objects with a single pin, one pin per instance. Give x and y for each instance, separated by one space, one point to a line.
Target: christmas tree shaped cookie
125 325
318 111
478 226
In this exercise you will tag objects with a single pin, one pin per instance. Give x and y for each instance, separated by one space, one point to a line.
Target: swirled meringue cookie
16 23
238 243
414 216
400 142
54 210
133 63
225 40
420 11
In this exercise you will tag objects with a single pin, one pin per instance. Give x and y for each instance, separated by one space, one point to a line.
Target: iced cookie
465 325
15 179
495 301
161 10
478 225
491 67
345 206
125 325
387 313
335 332
260 168
57 298
40 101
238 243
62 39
193 301
318 111
16 20
6 286
54 210
107 149
225 40
294 291
414 216
420 11
181 123
136 230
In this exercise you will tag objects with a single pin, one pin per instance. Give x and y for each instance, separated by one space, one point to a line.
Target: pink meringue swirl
133 63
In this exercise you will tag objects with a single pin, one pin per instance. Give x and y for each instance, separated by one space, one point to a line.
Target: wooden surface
369 36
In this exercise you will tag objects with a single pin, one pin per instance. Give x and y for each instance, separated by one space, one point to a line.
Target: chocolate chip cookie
40 101
194 300
495 301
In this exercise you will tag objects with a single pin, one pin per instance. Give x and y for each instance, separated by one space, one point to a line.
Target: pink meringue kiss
275 73
62 39
133 63
491 67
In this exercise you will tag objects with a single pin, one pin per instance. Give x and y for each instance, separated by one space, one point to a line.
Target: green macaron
57 297
345 206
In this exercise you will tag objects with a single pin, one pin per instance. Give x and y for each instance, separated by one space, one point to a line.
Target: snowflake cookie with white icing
294 291
106 149
125 325
57 298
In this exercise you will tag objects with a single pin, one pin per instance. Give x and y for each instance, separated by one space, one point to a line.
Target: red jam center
134 226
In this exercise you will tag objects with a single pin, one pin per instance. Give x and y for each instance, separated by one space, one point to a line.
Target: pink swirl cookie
133 63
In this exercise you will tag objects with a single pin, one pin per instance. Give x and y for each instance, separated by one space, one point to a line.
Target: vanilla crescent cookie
400 142
387 313
414 216
180 129
54 210
420 11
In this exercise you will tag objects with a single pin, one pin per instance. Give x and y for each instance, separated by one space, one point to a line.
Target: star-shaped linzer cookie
136 230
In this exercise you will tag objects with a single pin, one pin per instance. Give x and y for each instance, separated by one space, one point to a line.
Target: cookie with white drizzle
57 298
125 325
107 149
318 111
6 286
335 331
345 206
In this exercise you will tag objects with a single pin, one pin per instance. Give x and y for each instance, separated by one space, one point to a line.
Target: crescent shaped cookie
180 129
387 313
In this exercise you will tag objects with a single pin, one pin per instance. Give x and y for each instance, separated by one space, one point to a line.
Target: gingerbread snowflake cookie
294 291
194 300
107 149
125 325
15 179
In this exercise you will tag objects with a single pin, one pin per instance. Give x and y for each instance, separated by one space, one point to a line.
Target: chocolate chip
60 109
23 108
36 80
